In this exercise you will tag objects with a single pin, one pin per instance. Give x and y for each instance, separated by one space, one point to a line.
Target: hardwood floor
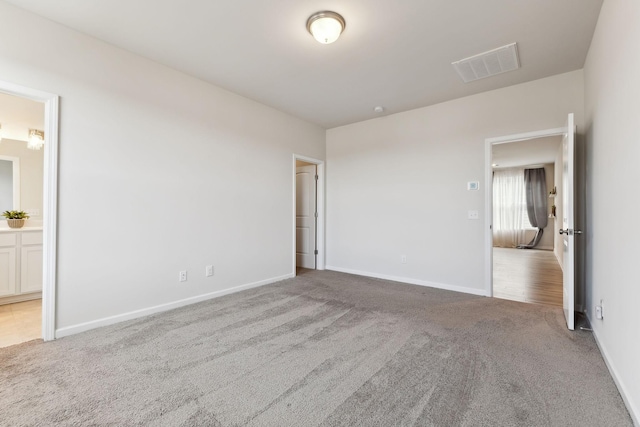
527 275
20 322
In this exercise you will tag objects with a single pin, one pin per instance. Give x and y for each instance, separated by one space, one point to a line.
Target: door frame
489 143
50 199
320 223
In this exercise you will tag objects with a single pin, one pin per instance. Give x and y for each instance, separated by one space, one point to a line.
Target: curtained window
510 218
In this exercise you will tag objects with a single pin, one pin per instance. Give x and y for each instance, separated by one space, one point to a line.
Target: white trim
463 289
105 321
16 181
526 136
320 231
50 199
488 199
617 379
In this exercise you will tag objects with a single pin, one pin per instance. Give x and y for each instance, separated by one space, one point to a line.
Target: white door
568 232
306 216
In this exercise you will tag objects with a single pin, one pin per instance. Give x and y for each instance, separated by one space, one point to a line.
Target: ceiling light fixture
379 109
36 139
326 26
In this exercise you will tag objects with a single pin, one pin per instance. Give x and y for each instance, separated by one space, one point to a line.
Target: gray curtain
536 193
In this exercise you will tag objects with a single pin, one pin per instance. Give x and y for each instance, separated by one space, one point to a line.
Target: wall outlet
473 215
403 259
600 310
208 270
182 276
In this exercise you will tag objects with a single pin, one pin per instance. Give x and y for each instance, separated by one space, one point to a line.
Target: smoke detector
487 64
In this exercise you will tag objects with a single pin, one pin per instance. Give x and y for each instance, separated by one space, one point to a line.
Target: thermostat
473 185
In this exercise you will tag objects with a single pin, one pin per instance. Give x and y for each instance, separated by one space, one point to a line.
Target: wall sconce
36 139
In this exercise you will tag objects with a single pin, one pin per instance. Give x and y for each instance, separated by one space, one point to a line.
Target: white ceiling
396 54
526 153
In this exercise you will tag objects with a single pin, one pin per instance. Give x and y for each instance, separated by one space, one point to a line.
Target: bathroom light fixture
325 26
36 139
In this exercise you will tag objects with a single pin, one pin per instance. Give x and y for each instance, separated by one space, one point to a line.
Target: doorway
308 213
527 251
532 274
36 246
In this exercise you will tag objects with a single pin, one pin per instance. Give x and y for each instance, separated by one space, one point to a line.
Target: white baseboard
473 291
617 379
20 298
82 327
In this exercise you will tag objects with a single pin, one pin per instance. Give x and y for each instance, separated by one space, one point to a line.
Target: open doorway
29 120
526 252
308 215
21 195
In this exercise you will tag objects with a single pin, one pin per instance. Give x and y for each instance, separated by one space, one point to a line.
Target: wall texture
612 95
159 172
397 185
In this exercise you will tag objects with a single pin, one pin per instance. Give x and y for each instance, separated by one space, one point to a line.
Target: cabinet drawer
8 239
32 238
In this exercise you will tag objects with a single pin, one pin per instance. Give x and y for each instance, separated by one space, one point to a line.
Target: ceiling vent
488 64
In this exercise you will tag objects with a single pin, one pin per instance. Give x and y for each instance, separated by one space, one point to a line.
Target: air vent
488 64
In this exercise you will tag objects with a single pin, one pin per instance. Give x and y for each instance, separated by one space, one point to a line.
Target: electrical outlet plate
598 312
208 271
182 276
403 259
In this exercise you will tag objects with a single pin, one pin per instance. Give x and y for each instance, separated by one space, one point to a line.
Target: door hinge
316 177
316 214
315 252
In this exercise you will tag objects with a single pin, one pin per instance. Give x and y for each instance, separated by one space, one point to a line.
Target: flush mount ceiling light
325 26
36 139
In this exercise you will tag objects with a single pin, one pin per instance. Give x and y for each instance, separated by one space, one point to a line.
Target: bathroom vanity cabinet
20 264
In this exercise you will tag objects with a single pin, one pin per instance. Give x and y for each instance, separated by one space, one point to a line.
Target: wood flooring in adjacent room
527 275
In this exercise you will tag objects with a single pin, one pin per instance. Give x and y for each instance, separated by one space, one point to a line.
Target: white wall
612 95
397 184
159 172
31 169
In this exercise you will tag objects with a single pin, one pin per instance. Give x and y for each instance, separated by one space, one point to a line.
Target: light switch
473 215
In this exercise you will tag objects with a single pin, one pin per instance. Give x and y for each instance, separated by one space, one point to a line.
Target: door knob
564 231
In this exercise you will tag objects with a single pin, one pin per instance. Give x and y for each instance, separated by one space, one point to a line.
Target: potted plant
15 219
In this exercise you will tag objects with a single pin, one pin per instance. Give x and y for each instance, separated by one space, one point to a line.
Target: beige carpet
325 349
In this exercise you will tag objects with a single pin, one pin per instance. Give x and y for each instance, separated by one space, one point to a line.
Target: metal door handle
570 232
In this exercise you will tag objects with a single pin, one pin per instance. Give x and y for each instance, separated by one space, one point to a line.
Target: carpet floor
322 349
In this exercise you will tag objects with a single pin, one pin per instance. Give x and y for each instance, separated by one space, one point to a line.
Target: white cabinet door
31 269
7 271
